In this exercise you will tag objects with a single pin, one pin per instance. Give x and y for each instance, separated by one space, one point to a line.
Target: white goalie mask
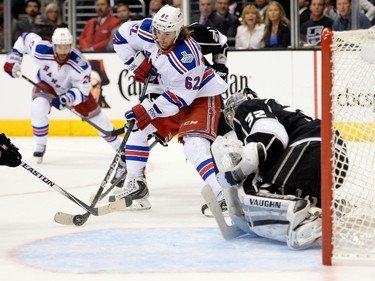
234 101
168 19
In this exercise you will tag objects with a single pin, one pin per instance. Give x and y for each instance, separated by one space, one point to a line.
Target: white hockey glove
67 99
12 65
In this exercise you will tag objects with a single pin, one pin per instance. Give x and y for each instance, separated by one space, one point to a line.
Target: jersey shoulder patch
78 62
185 56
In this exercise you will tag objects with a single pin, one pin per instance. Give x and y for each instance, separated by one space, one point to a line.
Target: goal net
348 106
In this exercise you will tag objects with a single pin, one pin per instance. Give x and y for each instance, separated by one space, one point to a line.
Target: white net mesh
353 113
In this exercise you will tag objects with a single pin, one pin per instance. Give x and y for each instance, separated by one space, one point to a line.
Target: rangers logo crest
186 58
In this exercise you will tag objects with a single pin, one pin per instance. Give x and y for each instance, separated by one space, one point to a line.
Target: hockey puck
79 220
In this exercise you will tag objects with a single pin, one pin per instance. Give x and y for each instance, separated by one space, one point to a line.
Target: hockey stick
78 220
155 142
99 211
227 231
113 133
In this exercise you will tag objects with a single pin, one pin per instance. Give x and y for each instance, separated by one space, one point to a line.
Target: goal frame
326 150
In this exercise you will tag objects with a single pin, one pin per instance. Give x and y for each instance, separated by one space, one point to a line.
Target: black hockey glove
9 155
221 70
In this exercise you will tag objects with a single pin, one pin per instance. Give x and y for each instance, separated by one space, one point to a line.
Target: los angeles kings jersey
73 75
182 74
299 127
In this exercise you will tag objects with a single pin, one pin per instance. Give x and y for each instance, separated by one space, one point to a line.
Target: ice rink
171 241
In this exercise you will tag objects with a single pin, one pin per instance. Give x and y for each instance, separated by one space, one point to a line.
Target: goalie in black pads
9 155
271 173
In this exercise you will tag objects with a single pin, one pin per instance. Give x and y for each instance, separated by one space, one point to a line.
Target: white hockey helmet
234 101
168 19
62 36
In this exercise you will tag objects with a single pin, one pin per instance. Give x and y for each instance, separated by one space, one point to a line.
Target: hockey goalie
271 170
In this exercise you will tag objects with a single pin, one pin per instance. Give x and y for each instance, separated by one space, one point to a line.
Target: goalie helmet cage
348 106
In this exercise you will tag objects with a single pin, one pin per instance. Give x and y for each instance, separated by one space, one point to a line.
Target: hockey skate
223 205
120 173
39 153
135 189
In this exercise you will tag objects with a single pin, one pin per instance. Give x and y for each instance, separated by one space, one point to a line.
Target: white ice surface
172 241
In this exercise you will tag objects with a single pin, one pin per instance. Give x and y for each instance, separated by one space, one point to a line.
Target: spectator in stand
31 21
52 19
330 10
97 32
206 7
312 29
155 6
250 32
224 21
277 32
124 13
262 5
344 21
304 11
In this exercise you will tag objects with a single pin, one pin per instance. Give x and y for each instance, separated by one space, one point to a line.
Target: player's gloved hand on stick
142 114
142 67
66 99
9 155
13 69
13 65
57 104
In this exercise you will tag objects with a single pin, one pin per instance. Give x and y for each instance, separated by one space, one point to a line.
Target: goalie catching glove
13 65
234 161
142 67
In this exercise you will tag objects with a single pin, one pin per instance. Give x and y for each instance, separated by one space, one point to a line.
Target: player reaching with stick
64 74
188 106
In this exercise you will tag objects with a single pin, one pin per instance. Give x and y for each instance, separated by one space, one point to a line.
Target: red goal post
348 106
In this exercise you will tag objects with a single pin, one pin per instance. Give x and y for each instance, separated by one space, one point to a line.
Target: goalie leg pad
285 218
307 232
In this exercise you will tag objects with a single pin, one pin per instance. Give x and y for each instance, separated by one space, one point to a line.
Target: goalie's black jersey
297 125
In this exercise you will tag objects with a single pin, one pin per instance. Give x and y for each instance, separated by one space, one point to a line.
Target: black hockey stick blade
227 231
113 133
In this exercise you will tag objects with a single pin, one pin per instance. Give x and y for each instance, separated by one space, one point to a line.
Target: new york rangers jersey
72 76
182 74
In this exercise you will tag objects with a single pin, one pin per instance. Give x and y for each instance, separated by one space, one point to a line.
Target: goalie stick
99 211
227 231
79 219
113 133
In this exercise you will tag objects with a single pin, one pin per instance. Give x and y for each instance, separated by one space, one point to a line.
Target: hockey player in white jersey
64 73
272 171
189 105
